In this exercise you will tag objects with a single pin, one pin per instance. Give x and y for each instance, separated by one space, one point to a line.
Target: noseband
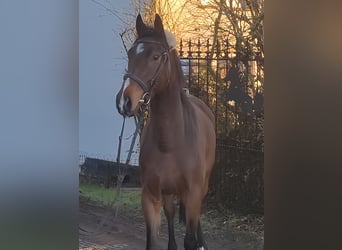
150 84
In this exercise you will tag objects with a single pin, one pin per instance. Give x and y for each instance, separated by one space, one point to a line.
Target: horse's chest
165 170
166 160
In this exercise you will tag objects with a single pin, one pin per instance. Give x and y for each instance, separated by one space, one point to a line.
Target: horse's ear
158 25
140 26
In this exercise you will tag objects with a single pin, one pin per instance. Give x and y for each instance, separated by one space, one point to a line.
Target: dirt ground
99 230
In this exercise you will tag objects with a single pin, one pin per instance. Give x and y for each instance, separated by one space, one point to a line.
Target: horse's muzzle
127 106
120 111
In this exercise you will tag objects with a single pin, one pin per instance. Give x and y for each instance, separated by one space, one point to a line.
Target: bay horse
178 142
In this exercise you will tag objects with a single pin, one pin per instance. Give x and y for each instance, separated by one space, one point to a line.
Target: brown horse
178 142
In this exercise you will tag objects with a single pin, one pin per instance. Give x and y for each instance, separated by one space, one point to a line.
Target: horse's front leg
201 241
151 208
193 237
169 210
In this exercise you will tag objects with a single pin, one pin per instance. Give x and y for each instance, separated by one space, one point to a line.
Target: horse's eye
156 57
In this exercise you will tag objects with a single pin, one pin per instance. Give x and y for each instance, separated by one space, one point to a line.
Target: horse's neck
167 119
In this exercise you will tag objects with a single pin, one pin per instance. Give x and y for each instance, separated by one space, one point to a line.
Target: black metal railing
230 82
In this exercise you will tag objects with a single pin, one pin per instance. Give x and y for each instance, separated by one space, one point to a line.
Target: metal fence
232 86
107 172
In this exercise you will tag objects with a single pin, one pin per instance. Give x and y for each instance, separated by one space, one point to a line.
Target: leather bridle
148 86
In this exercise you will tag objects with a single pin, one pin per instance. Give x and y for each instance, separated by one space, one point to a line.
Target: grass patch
130 198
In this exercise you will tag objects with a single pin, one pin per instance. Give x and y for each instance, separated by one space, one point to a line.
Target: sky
101 67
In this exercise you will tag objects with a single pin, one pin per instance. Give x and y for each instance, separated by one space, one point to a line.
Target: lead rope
123 169
120 140
121 173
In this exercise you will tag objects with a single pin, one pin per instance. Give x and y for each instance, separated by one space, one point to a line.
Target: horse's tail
181 213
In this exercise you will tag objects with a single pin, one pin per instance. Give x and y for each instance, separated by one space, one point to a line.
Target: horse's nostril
127 104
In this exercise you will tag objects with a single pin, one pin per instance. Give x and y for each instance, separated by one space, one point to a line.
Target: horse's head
148 67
